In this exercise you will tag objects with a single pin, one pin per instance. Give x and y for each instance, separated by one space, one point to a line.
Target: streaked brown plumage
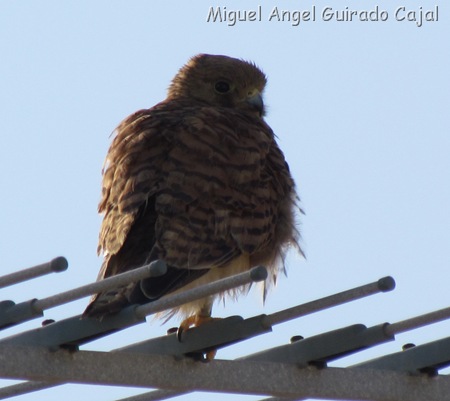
198 181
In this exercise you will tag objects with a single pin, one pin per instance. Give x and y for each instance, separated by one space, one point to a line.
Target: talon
195 321
180 331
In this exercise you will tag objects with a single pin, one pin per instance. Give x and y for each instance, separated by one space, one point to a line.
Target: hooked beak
256 101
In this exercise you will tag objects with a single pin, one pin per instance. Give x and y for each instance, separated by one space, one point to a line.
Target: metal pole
239 377
24 388
56 265
258 273
384 284
154 269
418 321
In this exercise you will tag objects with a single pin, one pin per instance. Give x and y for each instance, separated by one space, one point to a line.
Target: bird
198 181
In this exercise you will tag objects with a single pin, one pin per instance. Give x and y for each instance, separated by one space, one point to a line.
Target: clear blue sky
361 110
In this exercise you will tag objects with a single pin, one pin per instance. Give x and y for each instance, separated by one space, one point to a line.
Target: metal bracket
320 349
425 358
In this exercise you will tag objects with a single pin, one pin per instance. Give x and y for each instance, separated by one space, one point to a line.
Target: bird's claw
195 321
191 321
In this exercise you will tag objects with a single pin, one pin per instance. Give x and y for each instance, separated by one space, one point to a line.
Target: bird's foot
196 321
193 321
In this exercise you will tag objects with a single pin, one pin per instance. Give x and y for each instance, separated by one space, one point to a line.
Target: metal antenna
49 356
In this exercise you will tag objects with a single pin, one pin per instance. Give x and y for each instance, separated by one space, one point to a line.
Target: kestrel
199 182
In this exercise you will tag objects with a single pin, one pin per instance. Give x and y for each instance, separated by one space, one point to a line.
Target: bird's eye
222 87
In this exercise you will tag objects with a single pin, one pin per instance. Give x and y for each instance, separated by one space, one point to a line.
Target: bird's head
221 81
